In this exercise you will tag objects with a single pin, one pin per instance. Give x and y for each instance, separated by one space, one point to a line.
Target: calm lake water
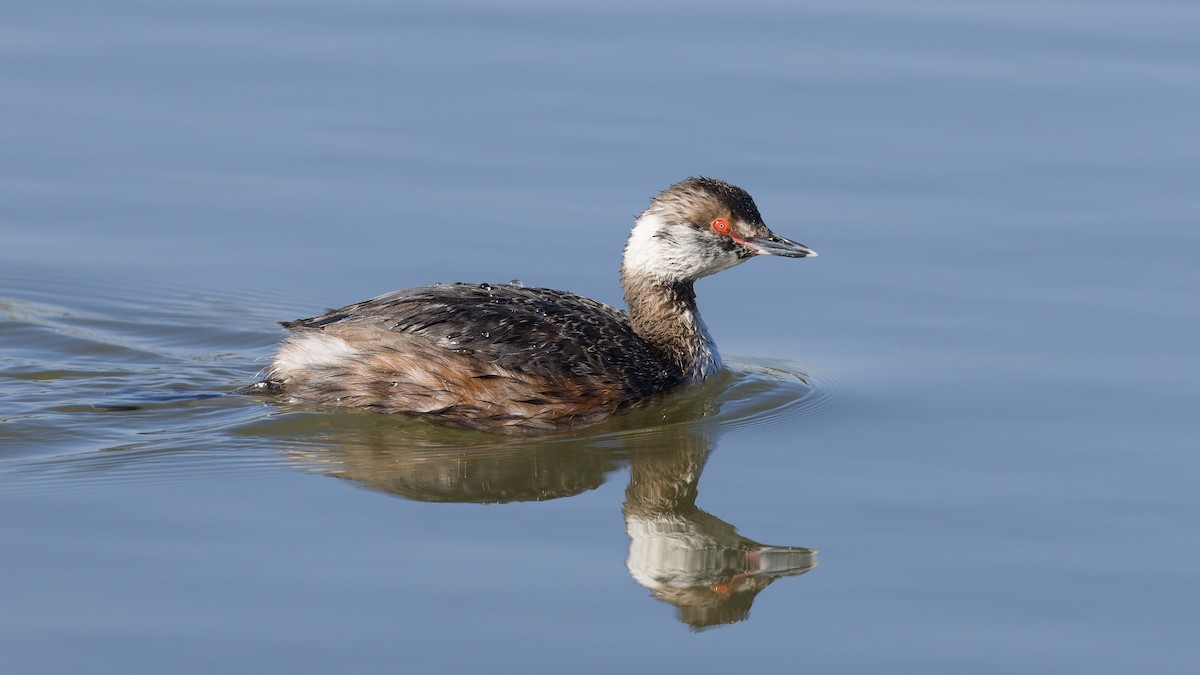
963 440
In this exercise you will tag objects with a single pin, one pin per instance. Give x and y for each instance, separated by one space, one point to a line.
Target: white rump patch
310 350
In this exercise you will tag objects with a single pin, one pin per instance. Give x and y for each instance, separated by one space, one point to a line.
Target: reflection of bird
691 558
511 358
685 556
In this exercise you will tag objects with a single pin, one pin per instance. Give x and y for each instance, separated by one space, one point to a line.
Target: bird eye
721 226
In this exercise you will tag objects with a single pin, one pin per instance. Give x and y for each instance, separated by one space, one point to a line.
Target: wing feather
540 331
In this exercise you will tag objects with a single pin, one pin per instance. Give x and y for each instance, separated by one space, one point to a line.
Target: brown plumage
504 357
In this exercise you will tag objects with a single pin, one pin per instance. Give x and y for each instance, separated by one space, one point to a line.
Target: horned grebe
509 358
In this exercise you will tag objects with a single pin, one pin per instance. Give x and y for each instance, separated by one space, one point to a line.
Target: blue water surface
963 439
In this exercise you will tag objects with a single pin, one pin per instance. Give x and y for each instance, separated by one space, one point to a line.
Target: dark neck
665 315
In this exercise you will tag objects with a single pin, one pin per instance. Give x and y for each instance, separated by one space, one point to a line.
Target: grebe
509 358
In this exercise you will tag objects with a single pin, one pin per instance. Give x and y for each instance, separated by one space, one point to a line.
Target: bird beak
772 244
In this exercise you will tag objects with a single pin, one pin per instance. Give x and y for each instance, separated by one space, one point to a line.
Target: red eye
721 225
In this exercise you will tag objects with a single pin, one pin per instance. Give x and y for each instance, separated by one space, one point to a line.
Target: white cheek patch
673 252
310 350
644 250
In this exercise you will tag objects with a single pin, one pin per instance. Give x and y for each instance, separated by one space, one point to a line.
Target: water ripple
112 382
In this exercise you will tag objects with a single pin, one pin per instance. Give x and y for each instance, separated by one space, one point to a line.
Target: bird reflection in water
689 557
685 556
